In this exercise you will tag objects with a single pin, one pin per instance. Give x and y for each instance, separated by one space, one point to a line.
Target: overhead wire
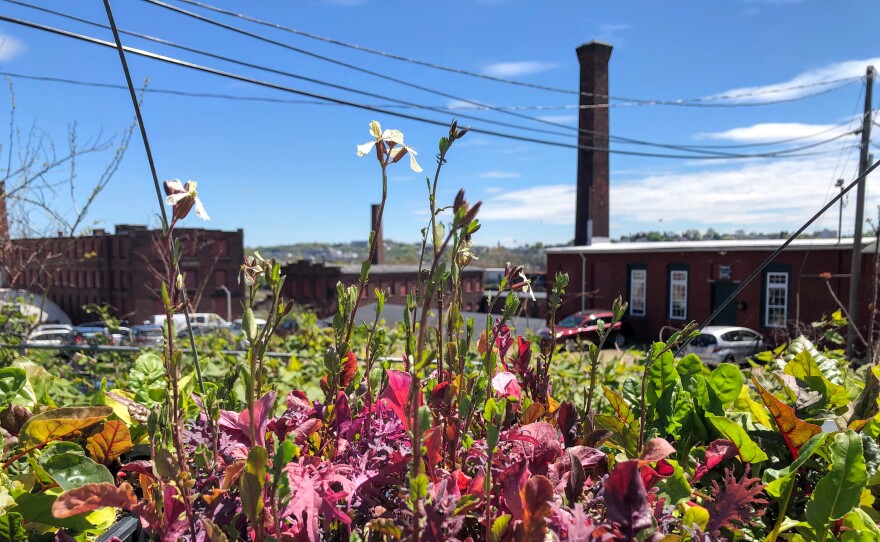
428 89
697 149
267 84
460 71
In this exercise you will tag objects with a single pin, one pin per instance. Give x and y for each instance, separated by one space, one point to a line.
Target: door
720 292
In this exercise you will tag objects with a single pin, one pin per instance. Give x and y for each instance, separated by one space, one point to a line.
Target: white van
207 320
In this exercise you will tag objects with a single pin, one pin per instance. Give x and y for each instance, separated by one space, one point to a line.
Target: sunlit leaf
748 451
727 380
60 423
113 441
839 490
794 432
93 496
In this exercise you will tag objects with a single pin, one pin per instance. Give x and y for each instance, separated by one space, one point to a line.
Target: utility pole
839 184
855 267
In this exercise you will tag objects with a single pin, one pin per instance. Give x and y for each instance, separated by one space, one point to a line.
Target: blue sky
287 172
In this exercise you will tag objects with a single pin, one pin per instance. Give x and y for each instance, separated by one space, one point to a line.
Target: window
678 294
638 281
776 295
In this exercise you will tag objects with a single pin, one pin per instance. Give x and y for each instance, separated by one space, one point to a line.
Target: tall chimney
4 231
591 214
4 219
379 257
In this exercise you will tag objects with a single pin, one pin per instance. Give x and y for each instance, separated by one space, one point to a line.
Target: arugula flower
388 143
183 197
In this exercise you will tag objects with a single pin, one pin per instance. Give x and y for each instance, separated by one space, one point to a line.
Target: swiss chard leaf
839 490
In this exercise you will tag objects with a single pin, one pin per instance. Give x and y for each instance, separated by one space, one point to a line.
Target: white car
726 344
51 337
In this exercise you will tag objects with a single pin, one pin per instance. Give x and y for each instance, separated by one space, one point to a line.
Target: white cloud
760 195
551 204
559 119
10 47
464 104
516 69
777 91
609 32
771 131
499 175
757 196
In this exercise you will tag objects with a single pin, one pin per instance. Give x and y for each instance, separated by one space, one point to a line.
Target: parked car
54 327
51 337
728 344
146 335
584 326
94 333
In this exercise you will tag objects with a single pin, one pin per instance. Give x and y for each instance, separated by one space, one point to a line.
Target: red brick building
122 270
671 283
313 285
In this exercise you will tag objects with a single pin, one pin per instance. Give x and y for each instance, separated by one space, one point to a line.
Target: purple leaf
626 501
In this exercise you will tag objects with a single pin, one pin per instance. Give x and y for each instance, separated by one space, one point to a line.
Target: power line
233 97
460 71
267 84
697 149
428 89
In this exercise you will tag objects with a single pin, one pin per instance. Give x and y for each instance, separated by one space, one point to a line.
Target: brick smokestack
591 214
4 219
379 257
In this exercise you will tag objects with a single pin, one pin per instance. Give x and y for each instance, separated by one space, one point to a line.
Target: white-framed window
678 294
776 296
638 288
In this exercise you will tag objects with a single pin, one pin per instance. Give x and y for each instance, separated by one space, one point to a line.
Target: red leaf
795 432
626 501
433 444
396 394
91 497
650 475
512 480
656 449
737 503
716 452
349 368
536 497
567 420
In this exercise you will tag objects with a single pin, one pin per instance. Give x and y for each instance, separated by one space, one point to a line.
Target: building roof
386 268
731 245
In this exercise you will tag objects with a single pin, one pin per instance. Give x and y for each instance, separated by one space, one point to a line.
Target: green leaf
252 481
37 508
71 468
499 526
695 515
749 452
673 408
676 487
11 528
662 373
745 403
840 489
12 379
804 367
860 527
689 367
147 380
727 381
776 478
418 487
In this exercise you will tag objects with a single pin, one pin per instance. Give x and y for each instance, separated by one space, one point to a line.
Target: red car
583 326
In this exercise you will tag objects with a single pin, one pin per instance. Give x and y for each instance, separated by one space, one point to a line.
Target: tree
40 201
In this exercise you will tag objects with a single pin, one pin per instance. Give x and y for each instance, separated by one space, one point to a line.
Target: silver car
728 344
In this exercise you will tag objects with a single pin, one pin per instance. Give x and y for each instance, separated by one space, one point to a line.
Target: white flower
183 197
390 143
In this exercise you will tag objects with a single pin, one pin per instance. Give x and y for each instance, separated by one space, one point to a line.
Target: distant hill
530 256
